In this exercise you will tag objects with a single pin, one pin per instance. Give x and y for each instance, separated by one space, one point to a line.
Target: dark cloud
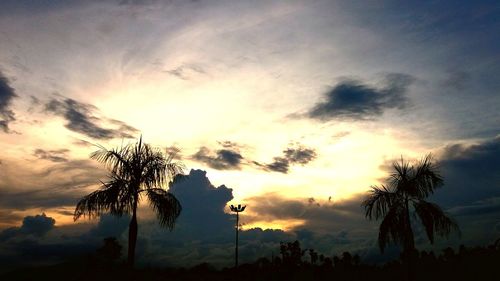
296 154
227 158
478 208
202 202
279 165
109 226
23 6
60 184
471 173
81 118
39 241
471 188
7 94
58 155
37 225
299 155
352 99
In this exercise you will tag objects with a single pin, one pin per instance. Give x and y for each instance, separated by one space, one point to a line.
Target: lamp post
237 209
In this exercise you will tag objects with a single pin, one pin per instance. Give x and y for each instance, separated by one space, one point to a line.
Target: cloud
60 184
456 80
109 226
354 100
295 154
186 72
202 203
58 155
7 94
321 216
39 241
478 208
471 190
471 173
221 159
81 118
204 232
229 157
37 225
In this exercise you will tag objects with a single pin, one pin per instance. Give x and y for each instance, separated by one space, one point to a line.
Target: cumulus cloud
82 118
202 203
204 232
7 94
37 225
39 241
354 100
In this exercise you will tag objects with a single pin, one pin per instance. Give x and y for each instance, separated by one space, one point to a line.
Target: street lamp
237 209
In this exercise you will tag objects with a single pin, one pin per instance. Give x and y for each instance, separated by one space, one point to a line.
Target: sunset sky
294 108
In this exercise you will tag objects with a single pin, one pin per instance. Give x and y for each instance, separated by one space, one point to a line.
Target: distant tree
136 171
406 193
110 251
291 253
313 255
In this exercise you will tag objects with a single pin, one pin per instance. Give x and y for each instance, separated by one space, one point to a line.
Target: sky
294 108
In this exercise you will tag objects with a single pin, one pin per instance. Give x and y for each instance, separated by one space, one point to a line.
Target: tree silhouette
110 251
405 193
136 171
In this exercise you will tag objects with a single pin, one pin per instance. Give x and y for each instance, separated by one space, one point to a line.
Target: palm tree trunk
409 244
132 237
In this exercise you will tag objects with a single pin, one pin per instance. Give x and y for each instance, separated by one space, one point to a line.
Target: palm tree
405 194
136 171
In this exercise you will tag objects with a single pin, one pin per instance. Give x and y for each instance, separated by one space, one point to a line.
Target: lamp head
238 208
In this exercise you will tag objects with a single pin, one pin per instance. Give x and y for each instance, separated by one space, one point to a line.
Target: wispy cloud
81 118
58 155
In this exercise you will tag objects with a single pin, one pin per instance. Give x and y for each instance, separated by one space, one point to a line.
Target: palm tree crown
135 171
405 193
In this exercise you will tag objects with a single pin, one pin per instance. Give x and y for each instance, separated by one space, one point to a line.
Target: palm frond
174 169
391 228
399 179
379 201
112 197
426 178
166 206
116 160
434 219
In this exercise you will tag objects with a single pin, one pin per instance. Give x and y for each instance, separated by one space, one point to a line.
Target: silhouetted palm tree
136 171
405 193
